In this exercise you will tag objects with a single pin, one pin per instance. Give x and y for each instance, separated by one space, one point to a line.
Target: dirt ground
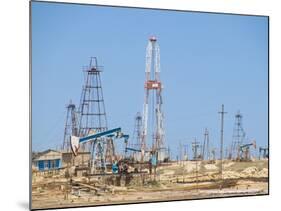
172 181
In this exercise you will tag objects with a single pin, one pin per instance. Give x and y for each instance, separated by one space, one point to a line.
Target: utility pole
206 150
222 112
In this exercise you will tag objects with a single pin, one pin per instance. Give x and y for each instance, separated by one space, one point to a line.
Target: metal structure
195 146
213 152
222 113
137 130
97 141
206 146
71 125
263 153
92 112
237 138
185 152
152 108
244 151
136 138
181 153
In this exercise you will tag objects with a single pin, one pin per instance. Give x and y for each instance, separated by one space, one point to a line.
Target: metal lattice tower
70 128
137 131
195 146
238 136
92 111
206 147
153 99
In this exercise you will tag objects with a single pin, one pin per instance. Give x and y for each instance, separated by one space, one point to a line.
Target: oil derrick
237 138
152 110
195 147
92 113
137 131
206 147
70 128
137 134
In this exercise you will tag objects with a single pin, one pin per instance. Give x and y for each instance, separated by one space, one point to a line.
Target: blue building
47 160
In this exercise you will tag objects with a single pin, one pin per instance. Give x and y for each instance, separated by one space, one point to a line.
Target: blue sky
206 60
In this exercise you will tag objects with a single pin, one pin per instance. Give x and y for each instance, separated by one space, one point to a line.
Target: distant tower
137 131
70 128
213 152
181 152
92 112
185 152
195 146
206 147
152 110
238 136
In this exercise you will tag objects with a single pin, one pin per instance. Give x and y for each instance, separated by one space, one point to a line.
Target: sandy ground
175 181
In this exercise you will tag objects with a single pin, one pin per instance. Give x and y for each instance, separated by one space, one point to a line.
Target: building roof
47 155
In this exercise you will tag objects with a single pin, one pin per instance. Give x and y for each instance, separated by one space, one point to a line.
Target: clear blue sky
206 60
